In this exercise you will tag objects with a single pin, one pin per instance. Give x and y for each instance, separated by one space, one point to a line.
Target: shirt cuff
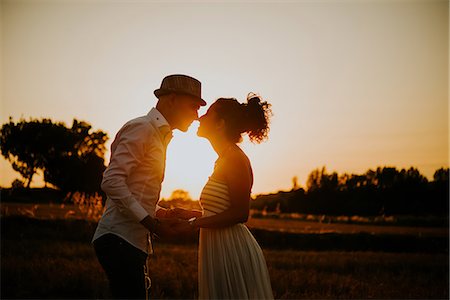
138 211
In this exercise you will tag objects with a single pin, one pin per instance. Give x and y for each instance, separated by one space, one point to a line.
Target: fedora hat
181 84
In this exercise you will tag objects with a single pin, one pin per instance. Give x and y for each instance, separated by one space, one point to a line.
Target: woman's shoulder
235 164
237 157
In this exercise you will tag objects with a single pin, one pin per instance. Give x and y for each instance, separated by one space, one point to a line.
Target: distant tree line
70 158
384 191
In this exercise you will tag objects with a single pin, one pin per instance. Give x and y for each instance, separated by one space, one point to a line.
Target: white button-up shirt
132 181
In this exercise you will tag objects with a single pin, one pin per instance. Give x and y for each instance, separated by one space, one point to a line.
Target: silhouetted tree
321 180
180 195
70 158
441 175
295 185
17 184
385 190
314 179
25 145
439 190
77 162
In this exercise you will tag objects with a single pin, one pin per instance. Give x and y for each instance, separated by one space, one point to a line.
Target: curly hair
250 118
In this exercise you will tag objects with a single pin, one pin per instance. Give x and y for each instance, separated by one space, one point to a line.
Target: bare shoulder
237 157
237 163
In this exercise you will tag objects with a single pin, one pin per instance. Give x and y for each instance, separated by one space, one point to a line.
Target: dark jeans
123 265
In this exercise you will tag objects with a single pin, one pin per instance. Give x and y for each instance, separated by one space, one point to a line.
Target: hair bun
253 98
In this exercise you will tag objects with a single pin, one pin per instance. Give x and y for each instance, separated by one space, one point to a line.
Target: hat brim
160 92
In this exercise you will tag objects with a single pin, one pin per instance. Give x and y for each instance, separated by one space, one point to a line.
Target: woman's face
209 123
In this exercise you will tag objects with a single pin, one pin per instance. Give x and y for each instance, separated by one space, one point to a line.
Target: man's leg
123 265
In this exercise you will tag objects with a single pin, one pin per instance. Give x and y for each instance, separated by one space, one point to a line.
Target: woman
231 263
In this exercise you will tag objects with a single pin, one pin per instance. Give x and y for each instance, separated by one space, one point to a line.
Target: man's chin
184 128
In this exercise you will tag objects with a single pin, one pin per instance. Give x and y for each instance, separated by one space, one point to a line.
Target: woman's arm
237 173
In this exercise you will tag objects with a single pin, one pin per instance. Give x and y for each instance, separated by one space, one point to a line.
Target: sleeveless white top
214 197
231 264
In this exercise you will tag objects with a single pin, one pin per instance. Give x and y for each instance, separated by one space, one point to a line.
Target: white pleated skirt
231 265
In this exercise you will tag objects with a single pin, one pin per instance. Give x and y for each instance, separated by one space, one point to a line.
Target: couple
230 261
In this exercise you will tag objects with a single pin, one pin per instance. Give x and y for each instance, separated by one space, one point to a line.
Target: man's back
133 178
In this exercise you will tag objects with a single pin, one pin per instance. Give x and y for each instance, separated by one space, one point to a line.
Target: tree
77 162
441 175
386 177
295 185
352 182
70 158
24 144
314 179
180 195
385 190
321 180
17 184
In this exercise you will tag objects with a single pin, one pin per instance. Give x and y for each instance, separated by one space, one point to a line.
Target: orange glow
352 85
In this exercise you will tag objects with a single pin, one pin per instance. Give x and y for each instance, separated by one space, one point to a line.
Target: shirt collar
157 118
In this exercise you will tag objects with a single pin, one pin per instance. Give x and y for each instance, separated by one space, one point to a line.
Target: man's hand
168 227
162 227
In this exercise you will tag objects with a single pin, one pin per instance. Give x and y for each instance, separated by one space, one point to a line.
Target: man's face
185 110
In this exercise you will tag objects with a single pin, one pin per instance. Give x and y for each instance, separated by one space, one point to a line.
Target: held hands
172 227
178 213
174 222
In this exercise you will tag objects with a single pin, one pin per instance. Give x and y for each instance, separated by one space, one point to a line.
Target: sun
189 161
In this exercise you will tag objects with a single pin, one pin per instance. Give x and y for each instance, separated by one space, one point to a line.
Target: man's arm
127 153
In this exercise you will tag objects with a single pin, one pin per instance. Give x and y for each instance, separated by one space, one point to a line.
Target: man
132 183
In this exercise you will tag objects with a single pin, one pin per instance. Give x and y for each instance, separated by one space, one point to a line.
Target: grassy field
71 211
54 259
300 226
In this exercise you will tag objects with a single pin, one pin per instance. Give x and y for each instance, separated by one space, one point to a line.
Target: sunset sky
353 84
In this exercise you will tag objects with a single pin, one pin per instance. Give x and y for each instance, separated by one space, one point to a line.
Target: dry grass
70 270
90 209
300 226
53 260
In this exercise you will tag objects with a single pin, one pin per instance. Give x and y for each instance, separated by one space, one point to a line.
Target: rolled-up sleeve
128 151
